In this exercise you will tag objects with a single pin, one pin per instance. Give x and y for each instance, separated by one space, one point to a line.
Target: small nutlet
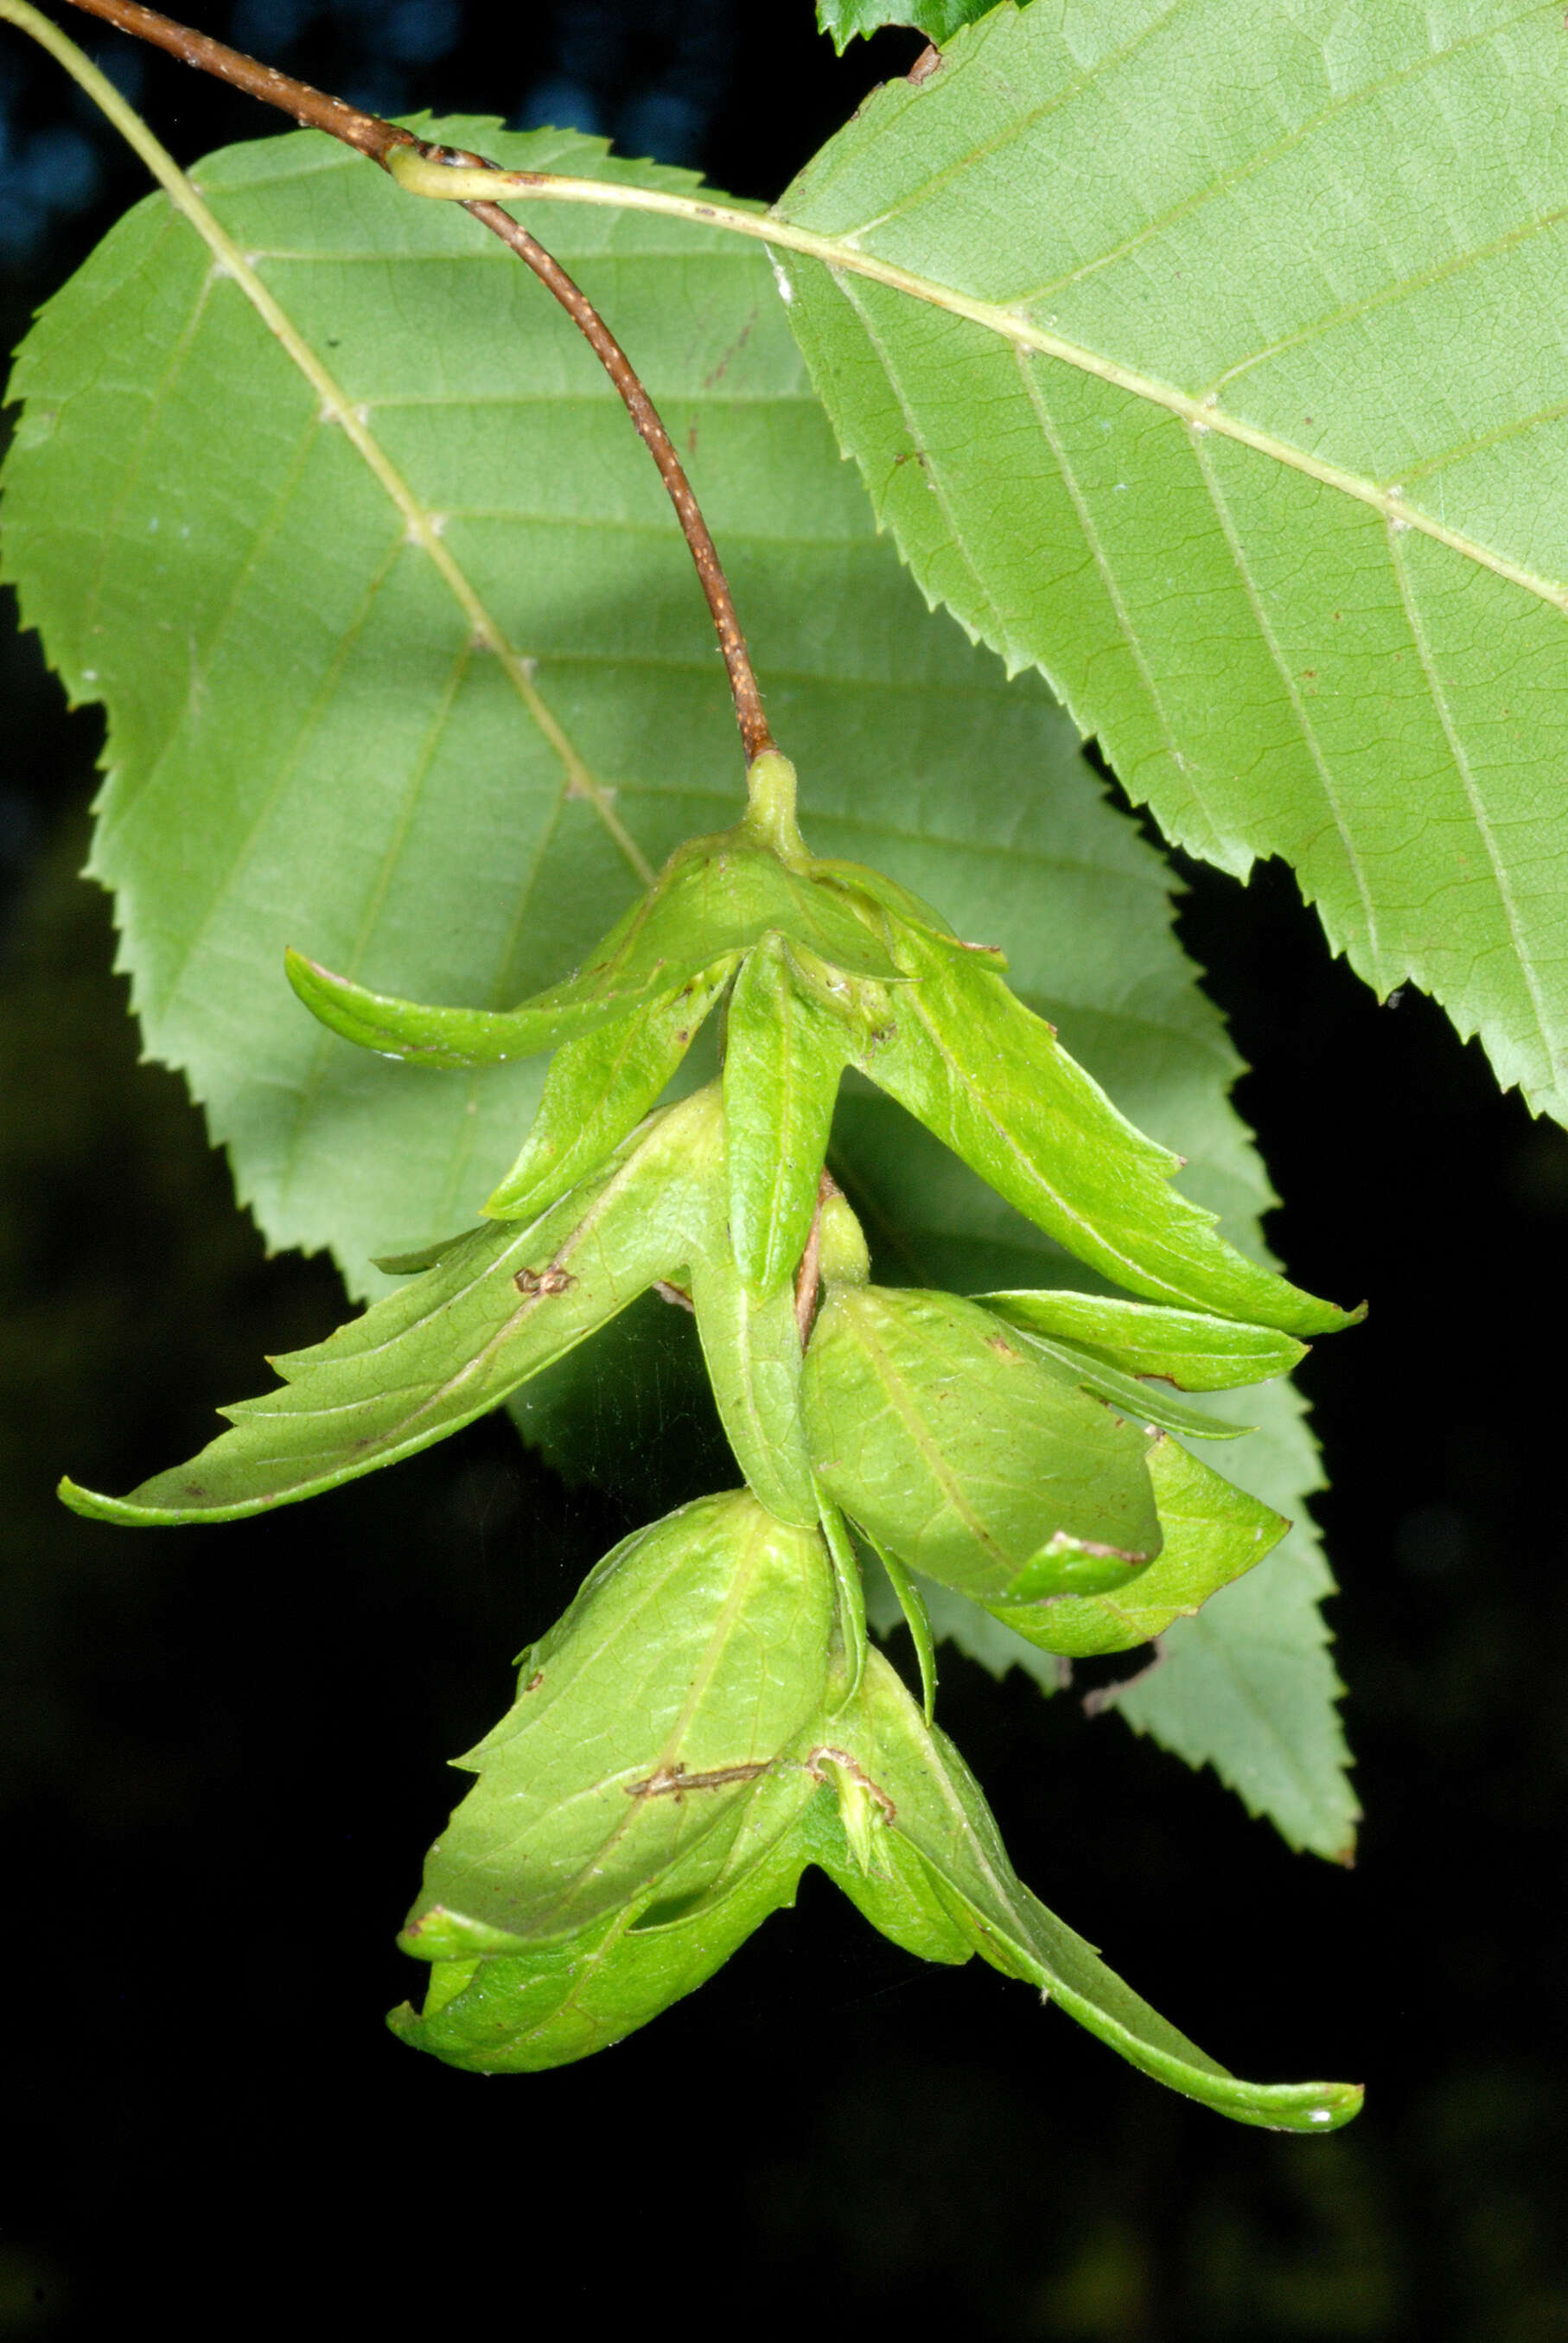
842 1258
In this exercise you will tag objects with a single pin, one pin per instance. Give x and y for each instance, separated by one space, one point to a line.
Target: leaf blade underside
1277 520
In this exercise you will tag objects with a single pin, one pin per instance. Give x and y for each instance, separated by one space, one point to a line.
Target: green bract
1195 1352
815 944
991 1079
514 2014
597 1089
497 1305
974 1461
644 1724
706 1719
869 1792
1210 1530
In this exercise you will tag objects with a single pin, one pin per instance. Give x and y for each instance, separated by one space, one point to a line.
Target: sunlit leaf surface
1227 392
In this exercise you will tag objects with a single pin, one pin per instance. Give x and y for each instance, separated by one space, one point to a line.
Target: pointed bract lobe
850 1596
1125 1393
1190 1350
446 1039
992 1081
598 1090
501 1304
785 1050
1212 1532
715 899
644 1724
933 1802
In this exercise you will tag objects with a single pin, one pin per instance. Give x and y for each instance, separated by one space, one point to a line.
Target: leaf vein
1473 798
1305 730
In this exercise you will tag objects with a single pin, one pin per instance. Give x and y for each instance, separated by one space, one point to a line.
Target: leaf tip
1334 2105
95 1508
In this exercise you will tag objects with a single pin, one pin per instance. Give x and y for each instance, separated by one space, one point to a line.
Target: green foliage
938 19
514 2014
529 1967
981 1070
496 1307
441 706
975 1464
695 1655
1153 1409
941 1814
324 767
1210 1533
293 821
1195 1353
1194 412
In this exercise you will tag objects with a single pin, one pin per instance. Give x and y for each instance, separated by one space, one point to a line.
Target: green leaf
975 1064
446 694
784 1053
520 2013
931 1800
1132 1398
326 768
968 1458
1244 449
1248 1686
1196 1353
498 1305
598 1090
1080 903
1213 1531
938 19
644 1724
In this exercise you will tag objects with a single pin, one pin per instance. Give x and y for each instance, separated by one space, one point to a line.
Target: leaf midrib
1194 410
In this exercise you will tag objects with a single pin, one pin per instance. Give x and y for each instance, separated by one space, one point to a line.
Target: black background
224 1751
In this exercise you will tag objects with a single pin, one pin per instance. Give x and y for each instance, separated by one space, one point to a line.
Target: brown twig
755 734
310 108
375 138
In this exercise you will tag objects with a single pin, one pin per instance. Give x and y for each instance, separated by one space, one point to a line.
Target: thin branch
378 140
754 733
310 108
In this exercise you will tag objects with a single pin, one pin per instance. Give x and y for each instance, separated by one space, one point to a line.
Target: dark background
224 1751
